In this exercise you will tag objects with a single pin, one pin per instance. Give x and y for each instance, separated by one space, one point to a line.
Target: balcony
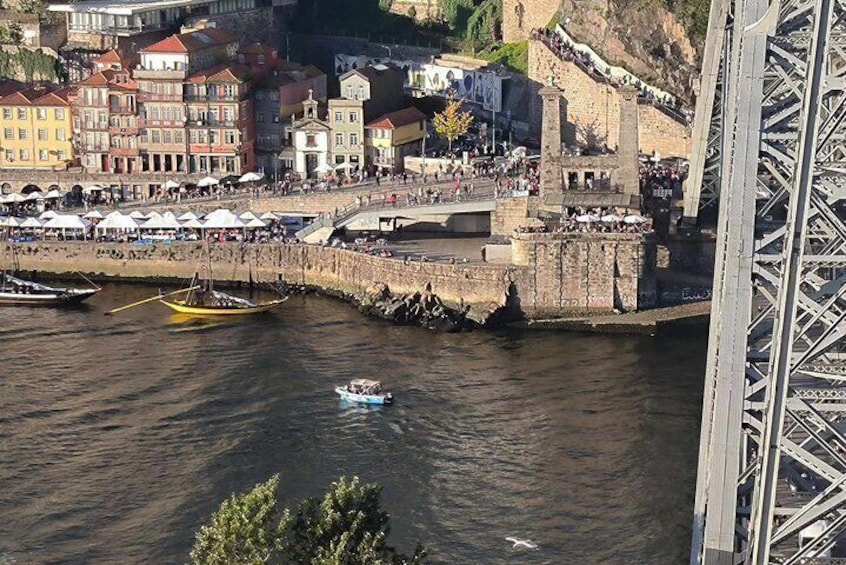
99 126
192 123
120 109
212 98
140 73
147 122
124 151
207 148
94 148
118 130
156 97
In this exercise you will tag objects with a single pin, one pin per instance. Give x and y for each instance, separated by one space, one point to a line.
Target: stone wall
520 16
593 109
573 273
423 9
513 213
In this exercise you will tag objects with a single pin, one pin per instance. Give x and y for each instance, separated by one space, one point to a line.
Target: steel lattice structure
772 458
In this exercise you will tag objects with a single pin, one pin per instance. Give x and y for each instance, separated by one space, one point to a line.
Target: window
42 155
349 91
339 139
60 135
360 92
274 96
24 153
41 113
259 118
8 133
339 159
62 155
229 137
353 117
42 134
167 136
177 136
59 113
155 136
7 113
21 133
310 142
353 139
339 117
21 113
214 137
259 94
10 154
228 114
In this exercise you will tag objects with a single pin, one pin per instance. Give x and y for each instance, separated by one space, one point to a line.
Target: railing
318 223
212 98
155 96
120 109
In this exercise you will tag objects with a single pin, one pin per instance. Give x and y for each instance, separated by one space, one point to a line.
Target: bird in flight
528 544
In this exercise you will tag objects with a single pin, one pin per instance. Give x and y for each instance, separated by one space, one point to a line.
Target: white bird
528 544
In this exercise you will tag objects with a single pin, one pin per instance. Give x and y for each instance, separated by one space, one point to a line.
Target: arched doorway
6 188
29 189
75 195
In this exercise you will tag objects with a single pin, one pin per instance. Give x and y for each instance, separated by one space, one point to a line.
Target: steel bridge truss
772 459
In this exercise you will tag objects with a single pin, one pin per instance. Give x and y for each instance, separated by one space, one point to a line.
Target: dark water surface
120 435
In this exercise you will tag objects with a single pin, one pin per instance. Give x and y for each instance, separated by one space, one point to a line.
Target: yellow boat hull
182 308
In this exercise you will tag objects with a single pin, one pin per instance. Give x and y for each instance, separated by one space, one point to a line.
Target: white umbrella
31 223
611 218
250 177
47 215
518 151
207 181
15 197
11 222
53 194
324 168
137 214
269 216
171 184
247 216
586 218
633 219
67 222
94 214
188 216
344 166
153 214
222 219
117 221
34 196
256 223
193 223
161 223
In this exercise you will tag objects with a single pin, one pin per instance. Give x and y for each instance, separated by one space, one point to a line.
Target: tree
346 527
452 123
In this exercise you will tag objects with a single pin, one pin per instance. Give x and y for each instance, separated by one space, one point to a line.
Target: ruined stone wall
423 9
520 16
592 109
573 273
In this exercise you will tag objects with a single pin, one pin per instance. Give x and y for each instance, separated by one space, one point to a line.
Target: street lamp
390 56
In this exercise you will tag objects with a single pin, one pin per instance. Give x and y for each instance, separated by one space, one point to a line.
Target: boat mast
208 259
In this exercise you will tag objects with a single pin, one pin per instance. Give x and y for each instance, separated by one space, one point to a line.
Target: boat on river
365 391
208 302
19 292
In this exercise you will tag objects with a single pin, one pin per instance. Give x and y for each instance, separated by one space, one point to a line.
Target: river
120 435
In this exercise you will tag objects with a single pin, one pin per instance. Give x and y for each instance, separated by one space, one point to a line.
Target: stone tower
550 165
627 149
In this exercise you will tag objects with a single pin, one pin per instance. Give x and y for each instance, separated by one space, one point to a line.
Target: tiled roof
107 77
35 96
222 73
190 42
55 98
398 119
371 72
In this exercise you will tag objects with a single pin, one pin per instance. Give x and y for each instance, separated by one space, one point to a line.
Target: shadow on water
121 436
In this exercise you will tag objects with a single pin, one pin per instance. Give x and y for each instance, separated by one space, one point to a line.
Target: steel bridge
770 146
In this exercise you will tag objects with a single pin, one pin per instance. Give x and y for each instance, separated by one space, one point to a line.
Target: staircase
321 229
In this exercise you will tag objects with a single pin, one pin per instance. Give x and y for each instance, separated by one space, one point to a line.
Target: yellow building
35 129
394 136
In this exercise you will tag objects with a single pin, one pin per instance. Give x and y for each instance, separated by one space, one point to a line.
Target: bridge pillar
550 165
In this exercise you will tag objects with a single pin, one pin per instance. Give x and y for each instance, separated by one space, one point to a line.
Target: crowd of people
566 51
593 220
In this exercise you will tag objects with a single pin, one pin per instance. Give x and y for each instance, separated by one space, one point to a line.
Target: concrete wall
520 16
593 108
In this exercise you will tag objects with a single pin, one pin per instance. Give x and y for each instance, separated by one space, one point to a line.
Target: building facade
346 119
37 129
394 136
311 142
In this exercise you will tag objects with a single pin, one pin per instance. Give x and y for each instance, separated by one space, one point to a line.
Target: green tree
346 527
452 123
36 7
11 34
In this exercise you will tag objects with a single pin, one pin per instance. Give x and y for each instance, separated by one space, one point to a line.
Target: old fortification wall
519 17
592 108
553 275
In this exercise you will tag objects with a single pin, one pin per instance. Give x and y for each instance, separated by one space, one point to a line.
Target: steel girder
772 458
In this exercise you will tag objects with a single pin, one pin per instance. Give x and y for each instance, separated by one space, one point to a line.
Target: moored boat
364 391
206 302
18 292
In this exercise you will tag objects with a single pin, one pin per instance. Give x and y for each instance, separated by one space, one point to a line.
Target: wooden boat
365 391
216 303
19 292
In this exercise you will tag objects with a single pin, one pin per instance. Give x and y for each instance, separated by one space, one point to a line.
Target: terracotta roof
34 96
109 57
221 73
55 98
23 97
398 119
106 77
190 42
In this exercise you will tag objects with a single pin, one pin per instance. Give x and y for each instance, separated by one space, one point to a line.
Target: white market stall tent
68 222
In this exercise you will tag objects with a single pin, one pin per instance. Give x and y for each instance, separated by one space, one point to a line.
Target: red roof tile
36 96
221 73
55 98
398 119
190 42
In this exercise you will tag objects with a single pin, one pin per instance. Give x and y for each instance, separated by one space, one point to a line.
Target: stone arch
75 194
54 187
6 188
30 188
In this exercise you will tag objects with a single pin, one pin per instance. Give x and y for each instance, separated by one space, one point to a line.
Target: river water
119 435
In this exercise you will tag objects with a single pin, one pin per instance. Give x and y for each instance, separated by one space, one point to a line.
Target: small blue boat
365 391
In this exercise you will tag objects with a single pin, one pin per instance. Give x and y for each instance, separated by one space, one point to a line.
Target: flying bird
528 544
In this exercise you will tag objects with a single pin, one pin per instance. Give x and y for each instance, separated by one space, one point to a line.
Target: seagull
528 544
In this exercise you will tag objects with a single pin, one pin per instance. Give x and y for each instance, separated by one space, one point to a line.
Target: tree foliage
452 123
11 34
346 527
36 7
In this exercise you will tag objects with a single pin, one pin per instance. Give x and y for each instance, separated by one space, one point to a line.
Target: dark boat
19 292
